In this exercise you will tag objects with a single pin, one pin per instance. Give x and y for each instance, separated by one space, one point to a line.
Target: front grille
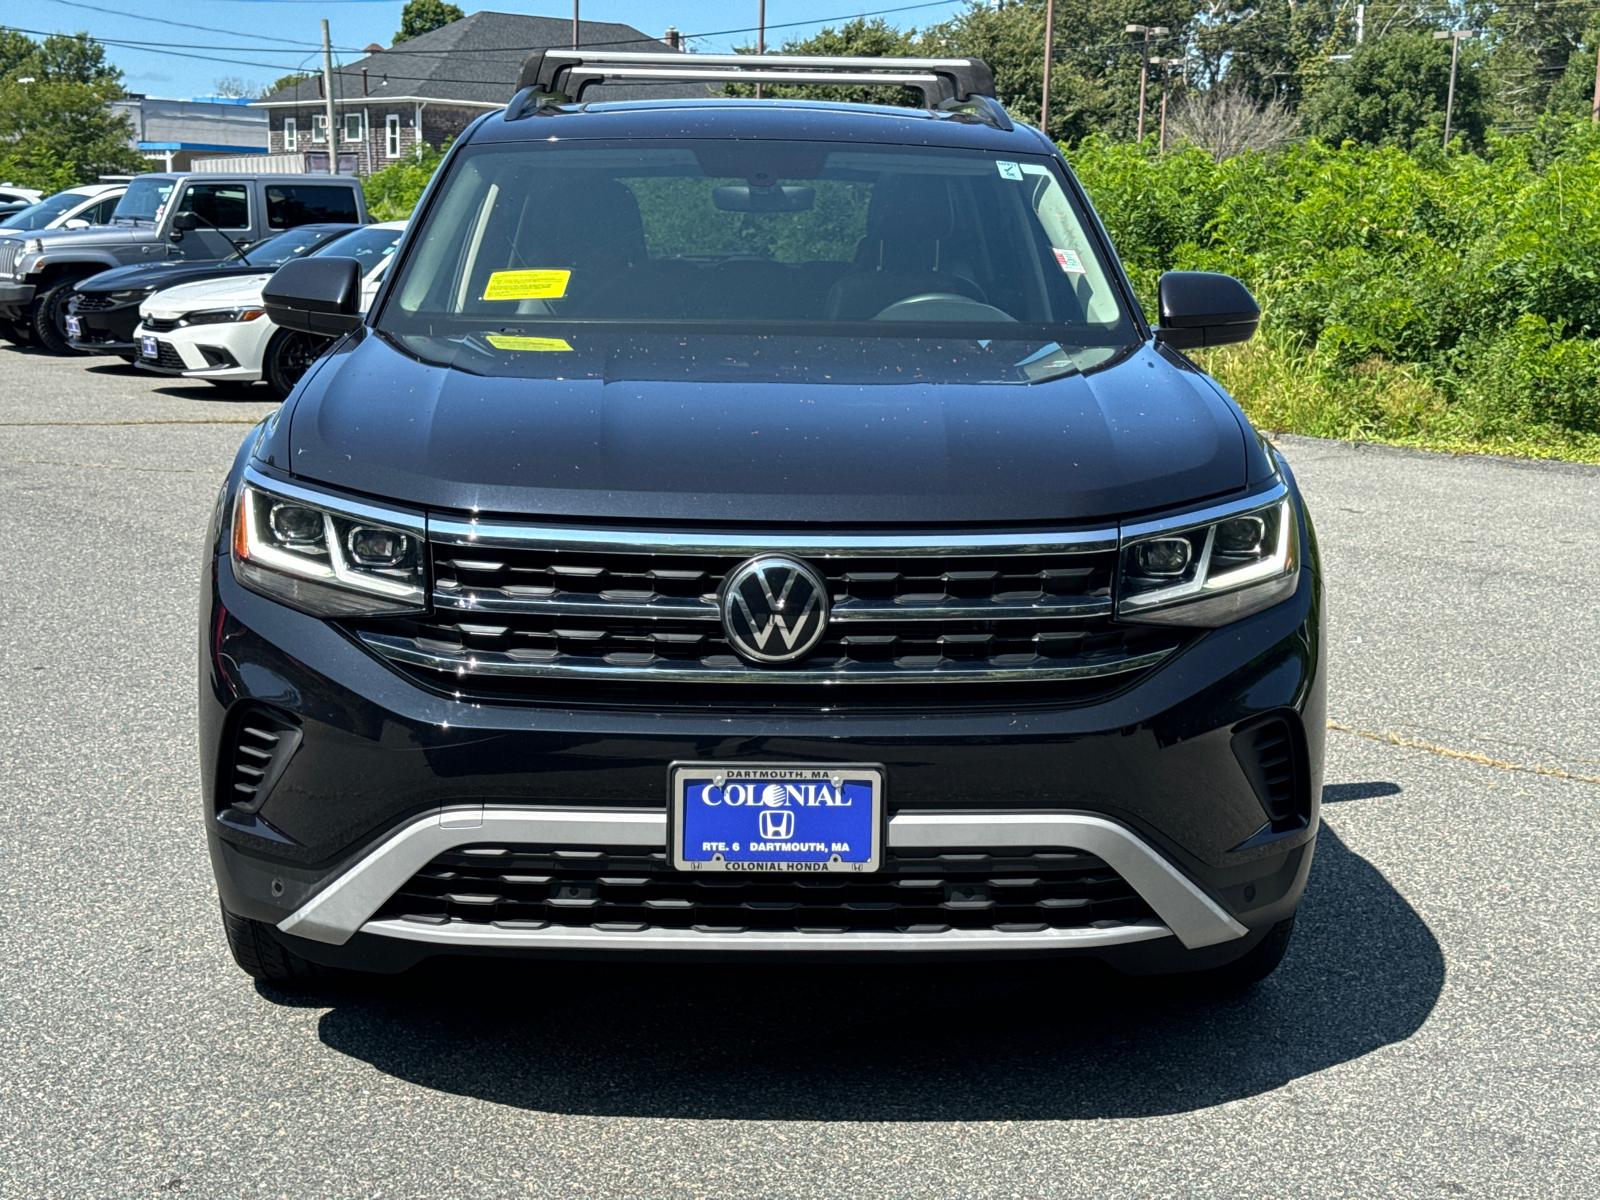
534 887
161 324
168 358
9 252
518 611
87 302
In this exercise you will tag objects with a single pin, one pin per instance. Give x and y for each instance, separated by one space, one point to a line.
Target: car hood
669 430
95 235
160 275
228 292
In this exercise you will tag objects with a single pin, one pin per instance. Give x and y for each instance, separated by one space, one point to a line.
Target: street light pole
1455 36
761 35
1049 52
1148 31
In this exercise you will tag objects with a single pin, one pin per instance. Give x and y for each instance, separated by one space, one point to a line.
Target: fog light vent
262 745
1273 754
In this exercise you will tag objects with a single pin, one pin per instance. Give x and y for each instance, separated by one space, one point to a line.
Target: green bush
1422 296
394 191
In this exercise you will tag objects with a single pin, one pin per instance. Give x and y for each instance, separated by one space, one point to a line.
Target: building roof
476 61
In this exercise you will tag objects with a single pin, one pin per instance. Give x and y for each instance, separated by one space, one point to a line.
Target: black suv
759 528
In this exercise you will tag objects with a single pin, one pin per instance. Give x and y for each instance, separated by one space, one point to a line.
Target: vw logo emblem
774 609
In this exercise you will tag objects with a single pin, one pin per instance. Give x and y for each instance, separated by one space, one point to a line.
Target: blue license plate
149 347
74 327
776 817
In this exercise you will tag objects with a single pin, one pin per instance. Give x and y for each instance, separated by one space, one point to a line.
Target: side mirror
1199 308
76 223
315 295
182 223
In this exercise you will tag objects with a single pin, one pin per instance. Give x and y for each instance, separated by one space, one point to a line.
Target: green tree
424 16
1393 92
1572 95
57 129
285 82
863 38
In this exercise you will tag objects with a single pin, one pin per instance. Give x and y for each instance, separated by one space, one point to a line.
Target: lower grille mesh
532 887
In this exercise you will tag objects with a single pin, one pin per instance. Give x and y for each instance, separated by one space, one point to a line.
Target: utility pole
1049 54
1148 31
1455 36
1166 65
327 100
761 35
574 24
1594 116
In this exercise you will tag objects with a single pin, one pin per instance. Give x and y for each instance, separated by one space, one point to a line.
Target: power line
117 12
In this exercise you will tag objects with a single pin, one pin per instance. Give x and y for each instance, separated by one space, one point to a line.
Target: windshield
369 246
37 216
144 200
755 239
280 248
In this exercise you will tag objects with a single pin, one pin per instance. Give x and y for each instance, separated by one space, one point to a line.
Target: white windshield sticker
1069 261
1008 170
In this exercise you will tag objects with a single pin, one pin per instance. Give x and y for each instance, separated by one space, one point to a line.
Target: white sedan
216 329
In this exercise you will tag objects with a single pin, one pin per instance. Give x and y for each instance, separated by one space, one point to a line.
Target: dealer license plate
790 817
149 348
74 327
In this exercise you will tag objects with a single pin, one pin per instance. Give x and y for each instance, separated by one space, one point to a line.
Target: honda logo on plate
777 825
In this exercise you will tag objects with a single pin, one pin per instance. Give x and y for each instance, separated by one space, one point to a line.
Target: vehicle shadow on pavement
991 1042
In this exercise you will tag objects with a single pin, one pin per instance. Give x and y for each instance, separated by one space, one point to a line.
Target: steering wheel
943 306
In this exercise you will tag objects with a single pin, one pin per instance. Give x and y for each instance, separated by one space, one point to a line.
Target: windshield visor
753 238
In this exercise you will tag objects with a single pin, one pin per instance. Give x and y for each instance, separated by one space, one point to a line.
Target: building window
352 127
319 128
391 135
291 135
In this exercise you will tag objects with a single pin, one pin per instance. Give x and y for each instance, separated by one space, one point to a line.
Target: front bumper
225 351
389 774
14 297
107 330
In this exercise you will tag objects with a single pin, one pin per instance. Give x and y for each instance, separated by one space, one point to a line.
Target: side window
291 134
289 205
100 214
224 205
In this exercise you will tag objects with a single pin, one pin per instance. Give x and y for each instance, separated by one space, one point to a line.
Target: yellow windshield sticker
527 285
501 341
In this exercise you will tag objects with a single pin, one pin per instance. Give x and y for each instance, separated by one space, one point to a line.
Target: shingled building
432 87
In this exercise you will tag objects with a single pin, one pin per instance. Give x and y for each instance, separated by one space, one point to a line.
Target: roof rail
560 76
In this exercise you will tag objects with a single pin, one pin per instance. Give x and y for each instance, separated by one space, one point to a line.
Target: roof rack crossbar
562 75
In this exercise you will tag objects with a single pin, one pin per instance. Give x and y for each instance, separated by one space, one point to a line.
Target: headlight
218 316
136 294
33 246
1216 567
328 558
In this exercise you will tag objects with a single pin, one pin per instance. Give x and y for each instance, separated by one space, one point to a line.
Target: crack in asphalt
53 462
1472 756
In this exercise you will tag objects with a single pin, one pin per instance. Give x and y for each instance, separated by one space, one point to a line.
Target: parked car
759 529
104 309
76 208
15 199
214 329
161 217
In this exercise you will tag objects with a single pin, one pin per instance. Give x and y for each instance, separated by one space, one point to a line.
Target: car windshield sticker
503 342
1069 261
1008 170
527 285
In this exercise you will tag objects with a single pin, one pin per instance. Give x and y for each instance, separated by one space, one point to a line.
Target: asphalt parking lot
1434 1031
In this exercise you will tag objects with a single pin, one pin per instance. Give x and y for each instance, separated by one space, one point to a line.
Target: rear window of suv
289 205
756 238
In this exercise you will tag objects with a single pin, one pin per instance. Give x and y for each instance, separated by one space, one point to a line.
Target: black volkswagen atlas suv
759 529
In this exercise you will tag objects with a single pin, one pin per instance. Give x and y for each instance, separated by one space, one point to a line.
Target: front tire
289 356
261 956
49 324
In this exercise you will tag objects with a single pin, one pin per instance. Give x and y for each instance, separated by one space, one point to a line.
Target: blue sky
273 37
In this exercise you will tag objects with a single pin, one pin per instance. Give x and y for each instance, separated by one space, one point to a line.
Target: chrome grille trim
729 669
491 534
496 600
9 253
